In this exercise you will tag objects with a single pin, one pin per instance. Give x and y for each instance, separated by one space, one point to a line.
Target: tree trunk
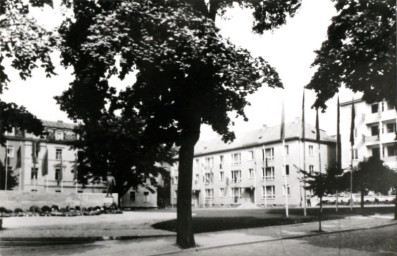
184 227
320 215
395 206
362 199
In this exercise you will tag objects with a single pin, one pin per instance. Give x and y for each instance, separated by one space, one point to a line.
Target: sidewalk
158 242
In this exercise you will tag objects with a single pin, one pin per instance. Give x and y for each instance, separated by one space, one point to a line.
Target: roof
262 136
58 124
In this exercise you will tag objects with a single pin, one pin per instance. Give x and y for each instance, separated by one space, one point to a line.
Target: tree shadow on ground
211 224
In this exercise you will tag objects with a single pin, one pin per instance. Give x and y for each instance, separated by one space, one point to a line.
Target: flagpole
264 174
76 170
6 164
283 150
304 153
61 171
352 153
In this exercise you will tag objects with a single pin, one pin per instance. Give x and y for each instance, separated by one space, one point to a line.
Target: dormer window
58 135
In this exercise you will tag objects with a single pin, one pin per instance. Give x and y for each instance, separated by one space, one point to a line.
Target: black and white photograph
198 127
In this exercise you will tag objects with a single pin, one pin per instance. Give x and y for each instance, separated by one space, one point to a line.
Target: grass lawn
209 220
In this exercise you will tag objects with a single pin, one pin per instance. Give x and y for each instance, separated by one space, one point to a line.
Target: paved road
375 241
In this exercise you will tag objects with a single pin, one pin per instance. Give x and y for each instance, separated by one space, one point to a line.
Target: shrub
34 209
45 208
18 210
77 208
3 210
55 207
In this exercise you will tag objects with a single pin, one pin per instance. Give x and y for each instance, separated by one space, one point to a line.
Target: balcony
371 140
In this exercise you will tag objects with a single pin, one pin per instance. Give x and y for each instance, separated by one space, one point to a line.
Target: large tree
359 53
186 73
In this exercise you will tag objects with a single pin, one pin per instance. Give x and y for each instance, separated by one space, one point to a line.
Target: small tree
371 174
12 178
320 184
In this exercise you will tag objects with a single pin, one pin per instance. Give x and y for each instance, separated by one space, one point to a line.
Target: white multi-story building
250 169
374 134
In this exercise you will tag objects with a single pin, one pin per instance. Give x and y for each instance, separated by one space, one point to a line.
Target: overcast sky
290 49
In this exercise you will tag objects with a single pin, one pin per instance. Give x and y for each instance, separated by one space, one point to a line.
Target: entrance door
252 195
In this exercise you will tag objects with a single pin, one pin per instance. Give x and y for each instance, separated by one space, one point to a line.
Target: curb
41 241
271 240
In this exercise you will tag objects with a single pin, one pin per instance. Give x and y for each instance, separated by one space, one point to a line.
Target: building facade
47 164
250 169
374 133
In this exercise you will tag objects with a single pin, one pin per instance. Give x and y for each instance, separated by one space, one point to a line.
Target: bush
3 210
34 209
63 209
18 210
77 208
55 207
45 208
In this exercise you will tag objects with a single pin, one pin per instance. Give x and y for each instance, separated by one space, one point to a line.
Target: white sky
289 49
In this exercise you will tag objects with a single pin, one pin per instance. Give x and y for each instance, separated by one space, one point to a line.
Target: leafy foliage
360 52
114 144
12 178
11 116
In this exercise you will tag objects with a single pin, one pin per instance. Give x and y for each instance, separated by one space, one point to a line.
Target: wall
24 200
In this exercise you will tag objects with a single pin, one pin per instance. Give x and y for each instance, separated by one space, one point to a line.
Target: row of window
267 192
267 153
386 128
268 173
11 152
381 106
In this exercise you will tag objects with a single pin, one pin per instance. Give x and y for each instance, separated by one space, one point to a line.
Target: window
390 105
132 196
287 169
176 180
311 150
58 154
286 150
390 127
269 192
146 196
197 179
250 155
197 163
236 158
391 150
221 162
269 173
355 133
374 130
175 193
236 192
288 190
58 135
236 176
208 178
209 193
221 175
311 168
251 173
269 153
34 173
209 161
10 151
221 192
58 175
375 108
376 153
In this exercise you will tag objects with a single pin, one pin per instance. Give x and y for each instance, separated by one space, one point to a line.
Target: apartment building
52 169
250 169
374 133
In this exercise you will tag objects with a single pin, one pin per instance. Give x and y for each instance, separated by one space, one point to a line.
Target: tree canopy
359 53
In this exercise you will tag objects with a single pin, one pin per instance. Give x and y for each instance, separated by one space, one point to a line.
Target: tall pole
304 153
283 150
264 173
352 153
6 164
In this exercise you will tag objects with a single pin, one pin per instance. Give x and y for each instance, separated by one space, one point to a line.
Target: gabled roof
58 124
262 136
